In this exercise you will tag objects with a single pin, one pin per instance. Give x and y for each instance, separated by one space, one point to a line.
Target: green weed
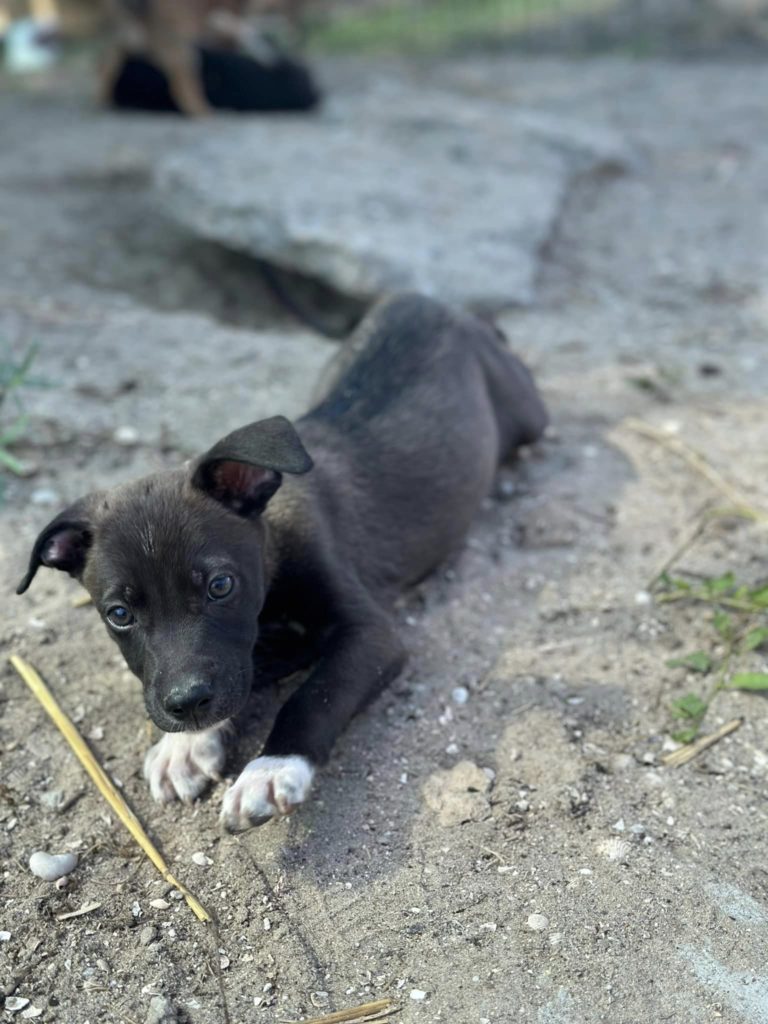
14 377
739 629
441 25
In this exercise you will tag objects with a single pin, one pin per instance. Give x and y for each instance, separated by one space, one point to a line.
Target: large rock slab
452 196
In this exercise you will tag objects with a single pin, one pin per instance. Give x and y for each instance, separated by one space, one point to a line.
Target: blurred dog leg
173 28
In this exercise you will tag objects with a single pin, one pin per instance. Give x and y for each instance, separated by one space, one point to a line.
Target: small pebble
51 867
418 994
147 935
15 1003
31 1012
127 436
160 1011
5 936
53 799
642 597
159 904
201 859
538 922
45 496
460 695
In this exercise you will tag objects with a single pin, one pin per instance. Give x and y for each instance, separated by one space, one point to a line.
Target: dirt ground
581 880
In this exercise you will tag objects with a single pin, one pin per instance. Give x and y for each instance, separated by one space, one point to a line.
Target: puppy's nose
188 699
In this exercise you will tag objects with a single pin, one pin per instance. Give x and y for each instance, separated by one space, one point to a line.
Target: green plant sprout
13 377
740 621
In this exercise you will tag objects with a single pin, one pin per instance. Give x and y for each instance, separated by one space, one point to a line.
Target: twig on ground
355 1015
691 750
491 853
102 781
87 908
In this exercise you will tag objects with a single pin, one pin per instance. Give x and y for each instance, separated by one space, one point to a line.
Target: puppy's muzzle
189 701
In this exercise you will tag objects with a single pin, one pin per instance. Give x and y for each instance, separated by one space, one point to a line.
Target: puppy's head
175 564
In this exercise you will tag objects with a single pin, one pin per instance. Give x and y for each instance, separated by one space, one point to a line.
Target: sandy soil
649 883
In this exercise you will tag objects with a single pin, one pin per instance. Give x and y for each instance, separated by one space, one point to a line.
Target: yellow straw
102 781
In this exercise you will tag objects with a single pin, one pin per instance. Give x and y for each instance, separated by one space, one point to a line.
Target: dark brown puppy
188 567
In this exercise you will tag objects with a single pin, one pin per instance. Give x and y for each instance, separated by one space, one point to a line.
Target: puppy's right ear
64 542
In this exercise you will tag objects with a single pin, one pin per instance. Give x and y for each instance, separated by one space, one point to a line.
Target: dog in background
315 528
196 55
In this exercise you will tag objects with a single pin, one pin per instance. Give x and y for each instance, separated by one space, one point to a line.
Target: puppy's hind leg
520 412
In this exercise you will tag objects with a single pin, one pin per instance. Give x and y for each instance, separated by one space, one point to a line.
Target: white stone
15 1003
51 867
126 436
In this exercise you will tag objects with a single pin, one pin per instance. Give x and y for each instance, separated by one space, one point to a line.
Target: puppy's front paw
266 787
182 764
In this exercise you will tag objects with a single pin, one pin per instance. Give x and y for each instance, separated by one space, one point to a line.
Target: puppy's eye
220 586
119 617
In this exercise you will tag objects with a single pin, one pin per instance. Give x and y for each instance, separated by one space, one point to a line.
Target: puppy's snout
188 699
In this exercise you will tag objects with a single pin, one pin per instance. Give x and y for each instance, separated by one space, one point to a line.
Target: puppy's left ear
245 468
64 542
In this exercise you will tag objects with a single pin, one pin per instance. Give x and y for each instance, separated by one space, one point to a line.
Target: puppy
322 523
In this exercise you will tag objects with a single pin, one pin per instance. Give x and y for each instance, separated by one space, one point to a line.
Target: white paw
266 787
182 764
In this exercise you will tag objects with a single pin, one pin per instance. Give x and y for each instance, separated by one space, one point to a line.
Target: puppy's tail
281 291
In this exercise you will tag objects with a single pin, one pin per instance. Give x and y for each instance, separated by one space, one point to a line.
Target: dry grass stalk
691 750
742 504
101 780
742 507
86 908
367 1012
82 600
